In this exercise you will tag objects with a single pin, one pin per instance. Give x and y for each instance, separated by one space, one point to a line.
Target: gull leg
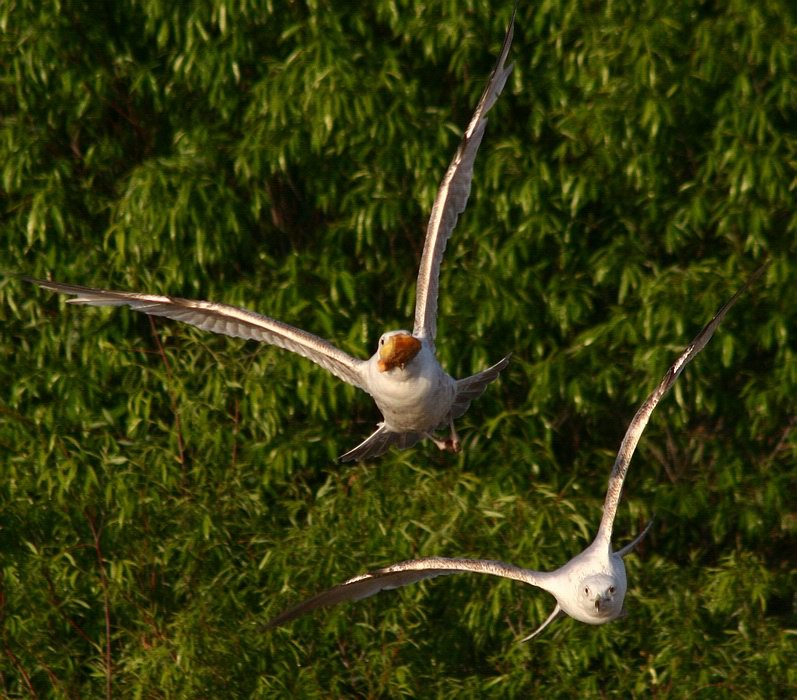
450 444
453 443
441 444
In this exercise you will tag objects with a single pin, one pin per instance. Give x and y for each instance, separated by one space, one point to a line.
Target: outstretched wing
403 574
452 198
642 416
224 319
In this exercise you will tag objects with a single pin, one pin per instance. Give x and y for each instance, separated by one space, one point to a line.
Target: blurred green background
163 491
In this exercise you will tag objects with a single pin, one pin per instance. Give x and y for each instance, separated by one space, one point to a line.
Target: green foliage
163 492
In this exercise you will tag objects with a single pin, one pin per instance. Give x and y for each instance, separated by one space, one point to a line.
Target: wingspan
640 420
224 319
452 198
403 574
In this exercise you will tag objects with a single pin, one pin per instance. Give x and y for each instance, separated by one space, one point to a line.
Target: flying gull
592 585
412 391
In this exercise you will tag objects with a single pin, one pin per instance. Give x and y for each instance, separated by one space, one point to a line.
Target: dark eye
586 590
611 589
381 341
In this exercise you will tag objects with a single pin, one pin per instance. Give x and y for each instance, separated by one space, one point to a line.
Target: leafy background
163 491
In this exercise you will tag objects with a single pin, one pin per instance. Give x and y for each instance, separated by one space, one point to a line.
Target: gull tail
473 387
379 442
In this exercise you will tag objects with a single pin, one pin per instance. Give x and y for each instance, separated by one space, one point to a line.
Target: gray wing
452 198
403 574
224 319
640 420
473 387
379 442
631 546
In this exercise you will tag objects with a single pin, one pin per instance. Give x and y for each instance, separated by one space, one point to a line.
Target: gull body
413 392
591 586
419 393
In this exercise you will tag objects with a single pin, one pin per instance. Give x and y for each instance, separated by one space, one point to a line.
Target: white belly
417 398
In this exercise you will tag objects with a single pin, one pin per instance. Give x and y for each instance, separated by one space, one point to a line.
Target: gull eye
611 589
586 590
382 340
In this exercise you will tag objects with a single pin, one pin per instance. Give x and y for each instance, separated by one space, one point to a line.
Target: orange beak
397 351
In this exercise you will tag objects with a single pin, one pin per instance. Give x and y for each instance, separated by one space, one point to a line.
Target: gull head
599 599
396 349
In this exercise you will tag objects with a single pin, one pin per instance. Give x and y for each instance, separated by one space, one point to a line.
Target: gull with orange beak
413 392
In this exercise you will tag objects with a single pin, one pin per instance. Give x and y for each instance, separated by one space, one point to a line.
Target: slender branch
53 678
10 654
658 455
175 410
22 672
57 604
235 429
6 648
784 436
104 584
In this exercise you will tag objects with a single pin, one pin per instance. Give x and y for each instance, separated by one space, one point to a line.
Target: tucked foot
441 444
453 445
450 444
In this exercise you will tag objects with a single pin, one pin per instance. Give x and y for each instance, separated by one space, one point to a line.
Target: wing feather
452 198
403 574
640 420
379 442
223 319
473 387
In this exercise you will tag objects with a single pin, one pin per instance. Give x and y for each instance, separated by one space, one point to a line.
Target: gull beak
397 351
603 605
